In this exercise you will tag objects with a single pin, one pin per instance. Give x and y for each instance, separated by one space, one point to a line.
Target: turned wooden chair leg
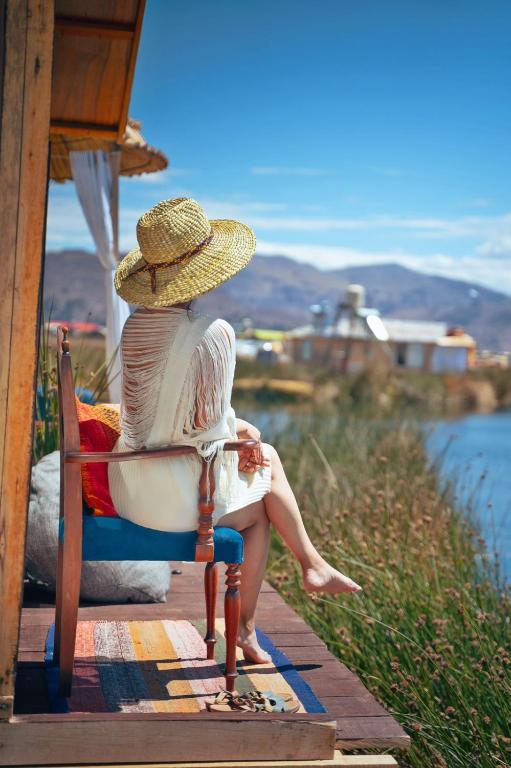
232 618
210 590
70 598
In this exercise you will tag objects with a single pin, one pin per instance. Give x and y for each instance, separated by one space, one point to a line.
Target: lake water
475 454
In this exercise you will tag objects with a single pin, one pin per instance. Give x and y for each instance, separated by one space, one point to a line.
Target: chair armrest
96 457
239 445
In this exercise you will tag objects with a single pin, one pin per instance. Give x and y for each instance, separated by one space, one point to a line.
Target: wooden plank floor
361 720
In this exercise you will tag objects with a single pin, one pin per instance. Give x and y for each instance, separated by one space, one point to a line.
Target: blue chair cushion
112 538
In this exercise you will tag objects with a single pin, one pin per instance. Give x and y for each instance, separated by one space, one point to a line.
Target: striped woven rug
159 666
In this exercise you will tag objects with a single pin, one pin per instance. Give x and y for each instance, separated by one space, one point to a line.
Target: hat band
151 268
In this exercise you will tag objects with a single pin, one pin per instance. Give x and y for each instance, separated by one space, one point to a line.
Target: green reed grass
46 431
430 635
91 372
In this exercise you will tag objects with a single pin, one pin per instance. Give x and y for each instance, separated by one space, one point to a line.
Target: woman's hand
251 459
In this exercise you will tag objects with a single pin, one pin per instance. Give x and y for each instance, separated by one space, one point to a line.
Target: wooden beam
122 738
94 28
367 761
24 114
76 128
338 761
131 70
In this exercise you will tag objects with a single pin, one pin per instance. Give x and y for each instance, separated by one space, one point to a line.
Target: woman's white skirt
164 493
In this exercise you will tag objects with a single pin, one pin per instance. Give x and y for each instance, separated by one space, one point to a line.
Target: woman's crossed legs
278 507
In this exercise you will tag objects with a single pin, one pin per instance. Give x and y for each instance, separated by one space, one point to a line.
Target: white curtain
96 178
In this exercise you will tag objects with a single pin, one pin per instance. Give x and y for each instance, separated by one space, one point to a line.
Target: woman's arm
245 430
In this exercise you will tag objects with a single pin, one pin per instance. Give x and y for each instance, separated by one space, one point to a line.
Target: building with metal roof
355 337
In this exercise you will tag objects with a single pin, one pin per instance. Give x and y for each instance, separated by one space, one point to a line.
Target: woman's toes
255 655
252 651
324 578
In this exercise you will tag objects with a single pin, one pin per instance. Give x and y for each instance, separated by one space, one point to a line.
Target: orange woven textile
99 431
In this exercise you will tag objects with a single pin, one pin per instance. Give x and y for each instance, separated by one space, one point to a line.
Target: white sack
138 582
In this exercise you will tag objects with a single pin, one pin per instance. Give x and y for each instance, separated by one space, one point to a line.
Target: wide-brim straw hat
181 254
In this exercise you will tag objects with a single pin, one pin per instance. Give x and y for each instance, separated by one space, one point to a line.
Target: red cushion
99 431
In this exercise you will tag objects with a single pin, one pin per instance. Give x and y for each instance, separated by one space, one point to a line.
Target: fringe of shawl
203 408
145 348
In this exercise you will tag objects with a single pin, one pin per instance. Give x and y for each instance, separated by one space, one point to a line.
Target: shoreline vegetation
376 389
430 635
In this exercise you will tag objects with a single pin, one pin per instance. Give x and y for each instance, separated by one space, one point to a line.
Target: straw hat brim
231 248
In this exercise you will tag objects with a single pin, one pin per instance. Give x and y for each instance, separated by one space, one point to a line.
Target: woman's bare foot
252 651
321 577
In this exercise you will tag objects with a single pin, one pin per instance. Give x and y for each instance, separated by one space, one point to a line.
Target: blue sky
344 131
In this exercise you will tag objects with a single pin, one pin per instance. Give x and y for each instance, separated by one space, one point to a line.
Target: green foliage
46 425
90 372
380 389
430 634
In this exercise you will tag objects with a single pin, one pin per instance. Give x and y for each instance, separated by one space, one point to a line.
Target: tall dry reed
430 635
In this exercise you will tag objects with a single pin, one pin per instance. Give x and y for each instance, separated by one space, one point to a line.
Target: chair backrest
70 460
69 432
71 504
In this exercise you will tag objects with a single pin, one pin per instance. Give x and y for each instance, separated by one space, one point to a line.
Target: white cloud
493 231
277 170
389 171
152 179
227 209
182 171
489 264
66 226
490 272
312 207
429 227
480 202
498 246
162 177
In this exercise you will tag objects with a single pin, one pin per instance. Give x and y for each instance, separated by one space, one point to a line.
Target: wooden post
26 40
69 561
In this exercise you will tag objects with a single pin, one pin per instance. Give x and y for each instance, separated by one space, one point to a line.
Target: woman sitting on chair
177 376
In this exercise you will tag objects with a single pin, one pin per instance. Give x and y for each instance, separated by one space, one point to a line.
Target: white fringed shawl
177 375
197 399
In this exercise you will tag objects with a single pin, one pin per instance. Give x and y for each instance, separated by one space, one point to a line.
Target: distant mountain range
276 292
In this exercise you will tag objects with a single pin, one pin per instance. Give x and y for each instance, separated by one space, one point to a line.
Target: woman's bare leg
284 514
280 508
253 524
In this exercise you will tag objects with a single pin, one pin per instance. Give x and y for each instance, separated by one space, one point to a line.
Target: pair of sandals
253 701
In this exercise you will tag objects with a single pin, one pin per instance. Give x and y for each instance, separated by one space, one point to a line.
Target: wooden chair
87 537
